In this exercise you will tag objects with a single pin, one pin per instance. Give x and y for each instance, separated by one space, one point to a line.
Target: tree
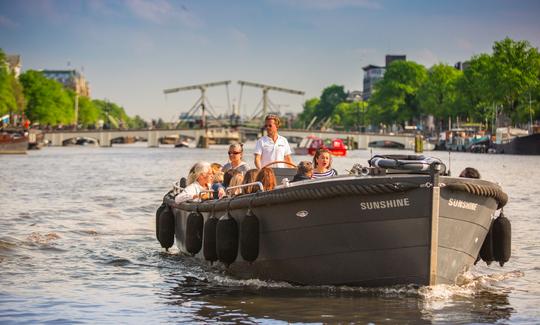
438 94
47 101
516 67
10 99
137 123
331 97
310 107
394 99
89 113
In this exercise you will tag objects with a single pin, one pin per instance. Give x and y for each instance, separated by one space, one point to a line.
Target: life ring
249 237
227 239
194 232
417 163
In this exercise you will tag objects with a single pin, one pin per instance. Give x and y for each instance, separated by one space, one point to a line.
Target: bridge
105 137
219 135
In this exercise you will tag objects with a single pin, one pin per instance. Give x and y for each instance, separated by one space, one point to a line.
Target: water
77 245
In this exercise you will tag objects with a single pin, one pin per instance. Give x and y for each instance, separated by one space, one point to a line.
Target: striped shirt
330 172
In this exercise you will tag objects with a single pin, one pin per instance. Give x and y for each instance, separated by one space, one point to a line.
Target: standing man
272 147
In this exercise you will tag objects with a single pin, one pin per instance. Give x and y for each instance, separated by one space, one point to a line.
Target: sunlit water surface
77 245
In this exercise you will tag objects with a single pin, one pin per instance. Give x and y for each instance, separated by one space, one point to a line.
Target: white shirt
271 151
187 194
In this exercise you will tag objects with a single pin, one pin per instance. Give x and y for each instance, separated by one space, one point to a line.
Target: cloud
7 23
162 11
334 4
465 44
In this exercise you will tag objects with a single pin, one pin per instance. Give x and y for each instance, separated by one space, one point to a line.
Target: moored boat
13 143
310 144
398 221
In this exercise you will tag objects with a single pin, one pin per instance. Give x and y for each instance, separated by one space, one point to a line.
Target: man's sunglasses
234 152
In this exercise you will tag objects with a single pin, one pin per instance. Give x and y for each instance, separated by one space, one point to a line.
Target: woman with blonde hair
199 180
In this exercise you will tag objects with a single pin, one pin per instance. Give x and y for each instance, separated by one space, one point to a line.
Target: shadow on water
197 290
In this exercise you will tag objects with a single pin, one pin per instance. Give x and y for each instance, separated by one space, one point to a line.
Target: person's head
250 177
236 179
229 175
215 167
322 159
470 172
218 177
305 168
271 124
267 177
201 172
236 151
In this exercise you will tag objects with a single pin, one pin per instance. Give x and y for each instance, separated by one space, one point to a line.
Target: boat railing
230 189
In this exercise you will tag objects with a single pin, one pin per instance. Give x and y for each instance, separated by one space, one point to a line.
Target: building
374 73
462 65
71 79
14 63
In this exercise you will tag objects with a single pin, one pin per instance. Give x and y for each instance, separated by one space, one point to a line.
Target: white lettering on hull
386 204
462 204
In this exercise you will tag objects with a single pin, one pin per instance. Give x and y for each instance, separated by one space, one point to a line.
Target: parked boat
310 144
386 144
517 142
13 142
397 221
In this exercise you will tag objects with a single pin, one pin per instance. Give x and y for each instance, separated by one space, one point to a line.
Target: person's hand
221 192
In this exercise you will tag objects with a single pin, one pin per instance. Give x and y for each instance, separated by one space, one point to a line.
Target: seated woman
236 155
250 177
323 164
236 180
304 171
267 177
199 179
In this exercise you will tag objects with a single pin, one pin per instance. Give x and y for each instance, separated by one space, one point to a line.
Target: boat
13 142
517 142
398 220
386 144
310 144
36 139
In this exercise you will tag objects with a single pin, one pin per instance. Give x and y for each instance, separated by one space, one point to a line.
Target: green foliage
438 94
394 99
10 99
111 113
89 113
47 101
137 123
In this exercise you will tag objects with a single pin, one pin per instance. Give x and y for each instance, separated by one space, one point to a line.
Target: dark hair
229 175
470 172
267 177
319 152
250 177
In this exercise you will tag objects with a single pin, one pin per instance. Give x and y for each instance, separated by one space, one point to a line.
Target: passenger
470 172
236 156
267 177
236 180
217 185
250 177
304 171
323 164
199 179
272 147
229 175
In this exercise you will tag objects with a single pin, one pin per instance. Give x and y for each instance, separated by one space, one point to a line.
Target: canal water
77 245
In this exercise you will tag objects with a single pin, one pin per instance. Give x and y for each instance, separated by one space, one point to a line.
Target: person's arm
257 161
288 159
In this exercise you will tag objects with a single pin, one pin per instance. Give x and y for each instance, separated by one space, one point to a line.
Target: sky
131 50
